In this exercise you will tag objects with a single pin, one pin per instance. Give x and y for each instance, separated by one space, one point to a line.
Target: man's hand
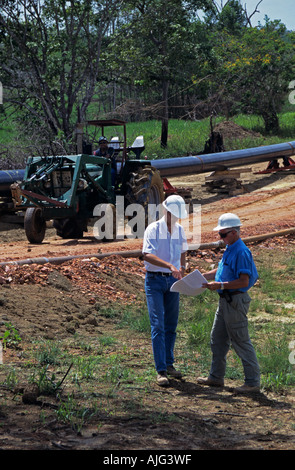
212 285
153 259
177 273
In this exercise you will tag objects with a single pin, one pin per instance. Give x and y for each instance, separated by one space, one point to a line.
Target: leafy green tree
159 41
49 55
255 70
230 17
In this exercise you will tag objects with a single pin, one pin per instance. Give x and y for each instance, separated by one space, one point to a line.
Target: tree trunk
271 122
164 133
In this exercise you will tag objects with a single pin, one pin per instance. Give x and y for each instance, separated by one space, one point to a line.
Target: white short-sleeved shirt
158 241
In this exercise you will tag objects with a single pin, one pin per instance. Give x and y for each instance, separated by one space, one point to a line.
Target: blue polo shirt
237 259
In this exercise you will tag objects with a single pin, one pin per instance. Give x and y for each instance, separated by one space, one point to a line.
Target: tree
255 70
49 55
230 17
161 39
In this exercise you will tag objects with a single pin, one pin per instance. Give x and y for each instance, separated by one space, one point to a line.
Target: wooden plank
219 174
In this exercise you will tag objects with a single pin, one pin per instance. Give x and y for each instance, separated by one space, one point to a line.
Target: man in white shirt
164 250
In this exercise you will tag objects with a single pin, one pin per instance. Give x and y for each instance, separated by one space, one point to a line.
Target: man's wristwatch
222 286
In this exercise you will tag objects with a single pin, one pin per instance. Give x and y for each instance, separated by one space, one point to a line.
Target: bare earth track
55 302
268 205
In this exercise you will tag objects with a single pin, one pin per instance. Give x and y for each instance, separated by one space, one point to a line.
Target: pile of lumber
226 181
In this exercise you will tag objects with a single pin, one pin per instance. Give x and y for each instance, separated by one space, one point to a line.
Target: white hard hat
228 220
176 205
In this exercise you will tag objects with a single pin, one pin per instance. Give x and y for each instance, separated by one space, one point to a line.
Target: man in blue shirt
164 248
235 275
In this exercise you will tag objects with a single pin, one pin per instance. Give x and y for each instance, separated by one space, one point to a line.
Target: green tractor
66 189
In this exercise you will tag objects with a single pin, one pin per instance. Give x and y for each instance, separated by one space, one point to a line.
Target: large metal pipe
189 165
218 161
7 177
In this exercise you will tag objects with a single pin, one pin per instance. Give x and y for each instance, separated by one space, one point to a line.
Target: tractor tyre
35 225
70 228
146 187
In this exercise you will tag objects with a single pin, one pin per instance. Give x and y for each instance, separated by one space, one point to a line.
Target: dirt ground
55 301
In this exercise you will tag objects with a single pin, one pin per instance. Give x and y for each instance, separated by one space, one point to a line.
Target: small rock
92 321
30 395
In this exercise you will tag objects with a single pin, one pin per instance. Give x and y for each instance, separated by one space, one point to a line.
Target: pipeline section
178 166
138 253
7 177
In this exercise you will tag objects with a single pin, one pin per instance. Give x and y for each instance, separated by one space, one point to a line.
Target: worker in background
164 250
235 275
108 152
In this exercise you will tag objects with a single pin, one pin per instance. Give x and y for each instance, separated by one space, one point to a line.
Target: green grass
197 318
184 137
7 128
189 137
136 319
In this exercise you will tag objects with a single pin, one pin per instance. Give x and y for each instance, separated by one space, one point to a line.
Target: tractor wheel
70 228
35 225
146 188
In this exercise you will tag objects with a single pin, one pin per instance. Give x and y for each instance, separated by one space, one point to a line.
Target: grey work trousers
231 327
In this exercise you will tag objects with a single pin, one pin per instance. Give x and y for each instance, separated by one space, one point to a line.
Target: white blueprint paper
191 284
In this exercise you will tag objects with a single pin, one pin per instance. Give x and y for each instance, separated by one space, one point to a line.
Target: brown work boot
162 379
173 372
211 382
246 389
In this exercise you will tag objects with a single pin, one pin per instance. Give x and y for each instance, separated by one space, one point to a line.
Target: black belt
159 273
228 295
224 294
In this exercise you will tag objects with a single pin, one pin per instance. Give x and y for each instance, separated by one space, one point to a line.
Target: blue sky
283 10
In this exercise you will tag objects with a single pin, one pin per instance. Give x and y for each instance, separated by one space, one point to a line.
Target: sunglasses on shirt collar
223 235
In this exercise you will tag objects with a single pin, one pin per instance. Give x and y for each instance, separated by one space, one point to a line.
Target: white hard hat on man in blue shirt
228 220
176 205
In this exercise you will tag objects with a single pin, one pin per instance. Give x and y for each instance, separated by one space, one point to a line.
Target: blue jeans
163 308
